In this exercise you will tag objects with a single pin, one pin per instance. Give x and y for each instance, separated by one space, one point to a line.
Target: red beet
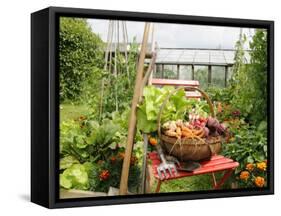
206 131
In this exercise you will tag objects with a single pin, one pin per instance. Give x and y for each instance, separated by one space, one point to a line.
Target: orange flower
152 141
244 175
113 159
250 167
261 166
259 181
104 175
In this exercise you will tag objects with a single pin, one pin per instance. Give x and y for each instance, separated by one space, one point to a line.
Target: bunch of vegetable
197 127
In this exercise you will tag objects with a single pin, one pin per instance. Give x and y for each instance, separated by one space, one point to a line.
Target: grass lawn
72 111
194 183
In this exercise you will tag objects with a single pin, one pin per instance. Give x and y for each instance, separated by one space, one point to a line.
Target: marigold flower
250 167
261 166
104 175
244 175
259 181
113 159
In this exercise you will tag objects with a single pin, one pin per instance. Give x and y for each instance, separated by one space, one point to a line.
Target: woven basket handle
171 94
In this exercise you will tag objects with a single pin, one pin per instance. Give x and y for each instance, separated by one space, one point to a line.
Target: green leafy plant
249 144
72 140
75 177
176 108
107 172
147 112
101 139
248 84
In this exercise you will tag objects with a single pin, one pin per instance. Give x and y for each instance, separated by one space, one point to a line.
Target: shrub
80 53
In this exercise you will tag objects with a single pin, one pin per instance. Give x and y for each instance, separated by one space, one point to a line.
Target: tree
80 52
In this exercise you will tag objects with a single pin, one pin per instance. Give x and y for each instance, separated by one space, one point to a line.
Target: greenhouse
208 66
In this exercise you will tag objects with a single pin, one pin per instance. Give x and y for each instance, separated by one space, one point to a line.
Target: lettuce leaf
147 112
75 177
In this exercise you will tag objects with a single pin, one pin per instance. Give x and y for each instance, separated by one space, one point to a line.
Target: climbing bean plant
248 85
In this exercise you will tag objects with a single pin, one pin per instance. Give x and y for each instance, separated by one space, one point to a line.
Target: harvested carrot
186 134
197 132
186 129
202 134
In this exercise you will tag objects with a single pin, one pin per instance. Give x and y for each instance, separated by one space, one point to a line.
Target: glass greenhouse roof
197 56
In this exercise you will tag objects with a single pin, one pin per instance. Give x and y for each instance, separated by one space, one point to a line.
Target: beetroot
215 127
206 132
221 129
212 122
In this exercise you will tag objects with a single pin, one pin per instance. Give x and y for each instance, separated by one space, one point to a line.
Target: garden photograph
147 107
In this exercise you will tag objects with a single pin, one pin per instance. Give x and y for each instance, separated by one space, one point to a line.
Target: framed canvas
134 107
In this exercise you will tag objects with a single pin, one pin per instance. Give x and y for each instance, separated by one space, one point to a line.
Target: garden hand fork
165 166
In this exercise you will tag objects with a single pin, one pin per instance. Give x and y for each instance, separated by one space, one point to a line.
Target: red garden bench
217 163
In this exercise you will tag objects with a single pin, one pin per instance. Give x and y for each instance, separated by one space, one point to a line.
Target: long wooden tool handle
133 117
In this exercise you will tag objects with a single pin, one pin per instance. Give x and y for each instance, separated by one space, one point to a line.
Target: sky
178 35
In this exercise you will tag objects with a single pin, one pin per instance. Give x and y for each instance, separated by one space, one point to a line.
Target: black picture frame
45 106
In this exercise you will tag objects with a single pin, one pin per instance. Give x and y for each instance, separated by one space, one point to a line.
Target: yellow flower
261 166
244 175
259 181
250 167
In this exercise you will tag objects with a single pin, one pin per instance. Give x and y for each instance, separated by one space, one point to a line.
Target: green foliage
176 108
67 162
201 74
87 140
248 146
80 53
75 177
249 81
72 140
118 90
147 112
113 166
219 94
101 139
